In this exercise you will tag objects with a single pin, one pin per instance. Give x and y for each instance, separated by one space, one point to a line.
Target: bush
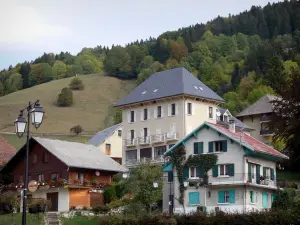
76 84
101 209
110 194
284 199
119 203
76 129
65 98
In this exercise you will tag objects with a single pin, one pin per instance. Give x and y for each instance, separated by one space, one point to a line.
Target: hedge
253 218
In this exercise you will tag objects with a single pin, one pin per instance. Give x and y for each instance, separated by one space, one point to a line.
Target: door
265 200
253 170
53 197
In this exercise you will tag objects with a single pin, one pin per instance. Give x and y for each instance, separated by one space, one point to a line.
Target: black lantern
37 114
20 125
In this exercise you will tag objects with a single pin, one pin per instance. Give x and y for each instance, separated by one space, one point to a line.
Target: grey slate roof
80 155
222 110
169 83
101 136
261 106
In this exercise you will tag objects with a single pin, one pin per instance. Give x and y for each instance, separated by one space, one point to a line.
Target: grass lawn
81 220
288 175
16 219
92 107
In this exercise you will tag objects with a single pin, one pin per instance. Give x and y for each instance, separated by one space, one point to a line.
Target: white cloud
22 24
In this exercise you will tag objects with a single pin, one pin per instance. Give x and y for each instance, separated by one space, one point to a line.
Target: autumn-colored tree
178 50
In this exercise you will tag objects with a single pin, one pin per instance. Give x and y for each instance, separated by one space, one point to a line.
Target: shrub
110 194
76 129
65 98
119 203
101 209
76 84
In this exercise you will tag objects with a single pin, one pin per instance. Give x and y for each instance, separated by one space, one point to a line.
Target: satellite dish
218 114
97 173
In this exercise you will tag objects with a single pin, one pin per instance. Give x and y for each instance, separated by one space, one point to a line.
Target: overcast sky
29 28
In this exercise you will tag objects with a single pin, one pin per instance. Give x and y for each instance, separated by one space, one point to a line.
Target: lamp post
37 114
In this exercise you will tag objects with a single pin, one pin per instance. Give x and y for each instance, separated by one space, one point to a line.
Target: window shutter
215 170
196 147
134 116
155 112
231 170
142 115
170 176
258 174
128 116
272 174
194 198
186 108
149 113
162 111
200 147
186 173
232 196
220 196
211 147
273 197
265 171
249 172
169 109
176 109
201 172
224 146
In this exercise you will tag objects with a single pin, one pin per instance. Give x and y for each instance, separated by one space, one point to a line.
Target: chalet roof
7 151
250 143
101 136
169 83
238 123
261 106
80 155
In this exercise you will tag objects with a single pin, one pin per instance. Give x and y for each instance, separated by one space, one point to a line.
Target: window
54 176
34 158
189 108
252 200
145 132
41 177
198 147
21 179
131 155
80 176
218 146
145 114
120 133
210 112
225 118
131 116
45 157
131 134
159 111
226 196
107 149
194 172
173 109
224 170
194 198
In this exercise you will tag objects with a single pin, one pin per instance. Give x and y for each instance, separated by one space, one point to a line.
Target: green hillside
92 108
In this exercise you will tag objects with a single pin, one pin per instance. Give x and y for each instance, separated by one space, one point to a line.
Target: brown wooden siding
96 199
79 197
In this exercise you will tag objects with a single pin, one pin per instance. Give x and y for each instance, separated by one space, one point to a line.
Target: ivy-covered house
215 168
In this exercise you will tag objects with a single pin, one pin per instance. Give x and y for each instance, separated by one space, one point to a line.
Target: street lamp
37 114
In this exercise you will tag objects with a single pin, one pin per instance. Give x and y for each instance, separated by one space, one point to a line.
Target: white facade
151 128
63 197
230 188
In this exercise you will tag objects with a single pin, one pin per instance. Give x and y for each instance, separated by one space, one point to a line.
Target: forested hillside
234 55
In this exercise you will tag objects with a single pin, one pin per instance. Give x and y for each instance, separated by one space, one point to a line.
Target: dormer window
155 90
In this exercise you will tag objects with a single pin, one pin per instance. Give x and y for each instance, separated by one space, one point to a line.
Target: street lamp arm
30 106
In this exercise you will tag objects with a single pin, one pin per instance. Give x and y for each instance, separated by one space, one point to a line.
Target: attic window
155 90
201 88
196 87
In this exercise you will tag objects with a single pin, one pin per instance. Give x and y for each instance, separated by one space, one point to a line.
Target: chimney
232 125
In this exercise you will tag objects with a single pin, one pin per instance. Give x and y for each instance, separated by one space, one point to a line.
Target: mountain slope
92 108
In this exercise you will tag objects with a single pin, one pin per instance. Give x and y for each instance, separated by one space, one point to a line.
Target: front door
265 200
53 197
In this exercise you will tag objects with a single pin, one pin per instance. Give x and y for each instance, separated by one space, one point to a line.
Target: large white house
243 179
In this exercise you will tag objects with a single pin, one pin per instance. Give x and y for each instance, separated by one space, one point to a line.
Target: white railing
158 138
170 136
145 140
131 142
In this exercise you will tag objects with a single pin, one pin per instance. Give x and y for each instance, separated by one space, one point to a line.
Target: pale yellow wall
116 144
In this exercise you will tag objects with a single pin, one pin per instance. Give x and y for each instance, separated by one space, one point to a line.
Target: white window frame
131 117
170 109
161 112
195 171
223 169
226 197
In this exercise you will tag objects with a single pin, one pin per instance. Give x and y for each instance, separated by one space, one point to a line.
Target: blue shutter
201 172
215 170
265 172
186 173
224 146
195 147
272 197
221 197
211 147
231 170
272 174
249 173
265 200
194 198
232 196
200 147
258 174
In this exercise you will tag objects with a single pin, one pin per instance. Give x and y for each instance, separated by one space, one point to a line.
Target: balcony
144 140
159 159
265 118
171 136
131 142
266 132
158 138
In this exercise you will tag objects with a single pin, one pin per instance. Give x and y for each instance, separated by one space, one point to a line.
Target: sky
30 28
